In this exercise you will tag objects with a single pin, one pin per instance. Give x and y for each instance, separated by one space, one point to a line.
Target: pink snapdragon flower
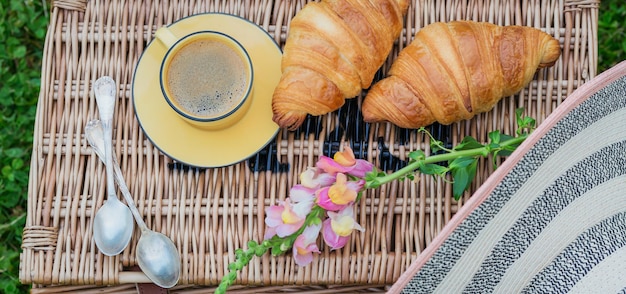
343 191
345 162
316 178
301 193
339 194
328 190
286 218
337 228
305 246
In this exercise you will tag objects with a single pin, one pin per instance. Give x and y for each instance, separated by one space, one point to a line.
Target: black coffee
207 78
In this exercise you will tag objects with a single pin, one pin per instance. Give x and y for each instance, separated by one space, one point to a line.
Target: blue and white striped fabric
555 222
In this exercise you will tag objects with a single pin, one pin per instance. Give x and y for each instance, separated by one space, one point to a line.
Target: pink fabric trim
581 94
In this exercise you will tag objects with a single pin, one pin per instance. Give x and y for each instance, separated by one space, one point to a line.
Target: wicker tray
211 212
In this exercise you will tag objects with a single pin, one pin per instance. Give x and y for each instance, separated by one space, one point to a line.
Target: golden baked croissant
333 50
452 71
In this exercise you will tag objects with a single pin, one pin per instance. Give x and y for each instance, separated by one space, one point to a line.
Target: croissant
453 71
332 52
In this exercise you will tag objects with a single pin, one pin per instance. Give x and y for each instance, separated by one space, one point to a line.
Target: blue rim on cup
238 110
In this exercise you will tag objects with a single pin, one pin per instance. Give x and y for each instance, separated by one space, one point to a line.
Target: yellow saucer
210 148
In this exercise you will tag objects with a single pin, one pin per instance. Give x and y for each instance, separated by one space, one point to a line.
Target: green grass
22 29
23 26
611 33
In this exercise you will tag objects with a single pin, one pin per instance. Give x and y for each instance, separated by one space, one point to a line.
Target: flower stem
483 151
242 258
277 245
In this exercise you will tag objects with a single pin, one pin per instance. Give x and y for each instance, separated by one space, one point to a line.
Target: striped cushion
552 218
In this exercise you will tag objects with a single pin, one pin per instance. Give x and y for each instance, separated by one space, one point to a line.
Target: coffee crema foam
207 78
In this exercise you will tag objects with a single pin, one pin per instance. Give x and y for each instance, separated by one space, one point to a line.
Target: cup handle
165 36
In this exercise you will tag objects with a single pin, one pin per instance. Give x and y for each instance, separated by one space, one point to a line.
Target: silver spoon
113 224
156 253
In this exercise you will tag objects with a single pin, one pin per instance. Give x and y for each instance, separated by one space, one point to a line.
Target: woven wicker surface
211 212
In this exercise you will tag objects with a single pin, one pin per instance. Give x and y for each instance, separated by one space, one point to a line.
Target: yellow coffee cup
206 77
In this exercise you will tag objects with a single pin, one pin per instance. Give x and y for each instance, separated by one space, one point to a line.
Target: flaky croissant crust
332 52
452 71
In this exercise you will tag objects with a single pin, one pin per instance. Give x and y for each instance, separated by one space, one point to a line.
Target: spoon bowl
152 254
157 255
110 227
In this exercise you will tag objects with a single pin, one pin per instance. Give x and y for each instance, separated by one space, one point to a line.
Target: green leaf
507 150
529 122
525 124
417 155
468 143
505 137
7 172
433 169
9 288
19 52
435 145
460 182
463 175
461 162
14 152
494 137
518 114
